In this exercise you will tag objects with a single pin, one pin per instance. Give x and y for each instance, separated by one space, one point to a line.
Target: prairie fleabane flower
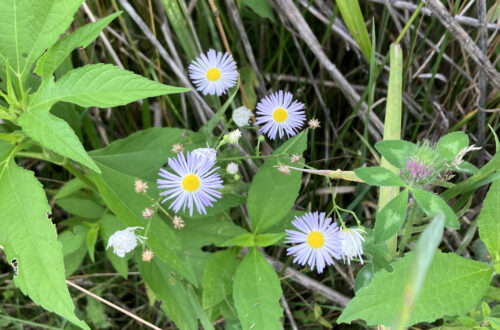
140 186
314 123
213 73
177 148
232 168
178 222
209 153
124 241
352 243
241 116
318 241
280 115
148 213
193 183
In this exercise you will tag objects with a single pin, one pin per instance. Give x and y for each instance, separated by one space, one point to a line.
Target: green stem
410 22
409 226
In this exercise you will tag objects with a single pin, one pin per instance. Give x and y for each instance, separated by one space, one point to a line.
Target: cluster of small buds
314 123
147 255
148 213
295 158
417 172
284 169
178 222
177 148
140 186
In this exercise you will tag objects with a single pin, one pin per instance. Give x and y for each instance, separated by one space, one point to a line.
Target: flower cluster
124 241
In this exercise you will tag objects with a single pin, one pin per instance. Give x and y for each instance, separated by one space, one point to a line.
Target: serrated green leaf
450 145
272 194
256 293
391 218
488 221
30 237
396 152
99 85
218 276
55 134
28 28
268 239
245 239
432 204
168 287
379 176
453 286
81 37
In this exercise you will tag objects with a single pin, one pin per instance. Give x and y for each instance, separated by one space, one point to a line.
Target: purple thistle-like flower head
280 115
318 241
418 171
193 182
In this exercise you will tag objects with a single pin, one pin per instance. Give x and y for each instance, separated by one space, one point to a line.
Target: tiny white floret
232 168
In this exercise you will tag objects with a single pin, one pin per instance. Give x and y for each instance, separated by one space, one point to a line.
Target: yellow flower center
280 115
213 74
191 183
315 239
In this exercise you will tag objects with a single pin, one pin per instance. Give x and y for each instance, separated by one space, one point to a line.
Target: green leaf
73 247
396 152
168 287
80 204
28 28
450 145
272 194
91 240
245 239
379 176
69 188
488 221
353 18
378 251
391 218
261 8
110 225
99 85
432 204
256 293
268 239
453 286
56 135
30 237
81 37
218 276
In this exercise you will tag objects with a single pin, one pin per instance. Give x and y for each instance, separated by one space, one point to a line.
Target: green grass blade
353 18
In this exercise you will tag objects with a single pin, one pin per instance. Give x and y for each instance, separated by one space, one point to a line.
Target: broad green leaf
396 152
218 276
82 37
268 239
379 176
110 225
453 286
378 252
432 204
245 239
200 312
55 134
261 8
423 255
69 188
353 18
391 218
256 293
99 85
29 236
28 28
272 194
488 222
450 145
363 278
82 205
73 247
168 287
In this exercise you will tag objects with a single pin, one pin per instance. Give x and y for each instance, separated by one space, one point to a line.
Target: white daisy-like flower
213 73
233 137
194 182
352 243
209 153
124 241
318 241
280 115
241 116
232 168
